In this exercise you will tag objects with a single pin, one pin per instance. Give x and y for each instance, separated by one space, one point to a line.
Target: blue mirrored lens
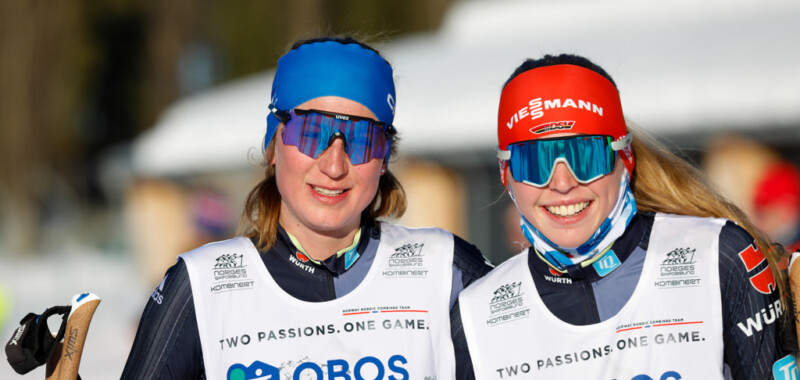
588 157
313 132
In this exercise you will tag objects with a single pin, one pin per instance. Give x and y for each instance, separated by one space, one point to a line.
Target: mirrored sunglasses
313 131
588 157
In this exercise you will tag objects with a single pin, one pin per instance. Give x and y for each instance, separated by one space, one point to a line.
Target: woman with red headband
317 287
638 269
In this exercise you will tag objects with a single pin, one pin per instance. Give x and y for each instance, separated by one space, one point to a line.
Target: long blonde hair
664 182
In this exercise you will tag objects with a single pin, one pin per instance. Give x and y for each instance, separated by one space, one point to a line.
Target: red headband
549 100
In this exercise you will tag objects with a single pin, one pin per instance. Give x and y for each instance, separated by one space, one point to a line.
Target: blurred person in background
776 204
317 284
762 183
638 269
211 213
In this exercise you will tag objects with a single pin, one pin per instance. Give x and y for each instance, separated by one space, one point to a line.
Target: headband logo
536 107
553 126
390 101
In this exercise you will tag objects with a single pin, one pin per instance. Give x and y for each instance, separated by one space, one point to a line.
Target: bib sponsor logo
645 335
407 261
507 305
786 369
401 320
368 367
669 375
230 274
634 336
762 279
678 270
227 261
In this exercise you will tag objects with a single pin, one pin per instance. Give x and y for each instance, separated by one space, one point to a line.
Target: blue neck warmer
612 228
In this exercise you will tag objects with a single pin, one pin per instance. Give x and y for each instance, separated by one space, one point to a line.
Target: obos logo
669 375
366 368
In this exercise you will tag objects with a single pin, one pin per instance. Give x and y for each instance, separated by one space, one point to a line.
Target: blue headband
332 69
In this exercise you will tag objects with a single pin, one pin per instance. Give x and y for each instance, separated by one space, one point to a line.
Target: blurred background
131 128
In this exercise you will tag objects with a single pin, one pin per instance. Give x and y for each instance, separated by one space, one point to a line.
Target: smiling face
565 211
324 196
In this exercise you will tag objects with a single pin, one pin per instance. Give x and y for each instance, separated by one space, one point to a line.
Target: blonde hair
262 205
664 182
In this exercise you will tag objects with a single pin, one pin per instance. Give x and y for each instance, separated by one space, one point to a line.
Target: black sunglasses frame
284 117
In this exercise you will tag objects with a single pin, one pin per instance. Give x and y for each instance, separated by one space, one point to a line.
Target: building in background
686 71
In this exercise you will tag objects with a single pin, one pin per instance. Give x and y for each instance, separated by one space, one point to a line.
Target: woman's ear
383 168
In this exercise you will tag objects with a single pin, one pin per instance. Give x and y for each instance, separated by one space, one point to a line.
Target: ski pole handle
64 363
794 289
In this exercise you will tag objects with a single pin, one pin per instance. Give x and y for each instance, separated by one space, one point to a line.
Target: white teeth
570 210
327 192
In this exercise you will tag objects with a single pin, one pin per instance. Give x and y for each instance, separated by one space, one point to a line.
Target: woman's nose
334 161
563 180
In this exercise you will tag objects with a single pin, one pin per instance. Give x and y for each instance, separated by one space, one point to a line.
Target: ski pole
66 358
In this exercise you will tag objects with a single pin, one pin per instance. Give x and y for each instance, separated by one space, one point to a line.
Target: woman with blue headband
317 287
637 270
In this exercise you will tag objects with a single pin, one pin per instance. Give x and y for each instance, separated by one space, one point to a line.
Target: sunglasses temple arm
622 143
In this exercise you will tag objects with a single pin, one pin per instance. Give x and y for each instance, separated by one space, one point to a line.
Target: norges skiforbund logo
507 304
366 368
407 261
230 274
678 270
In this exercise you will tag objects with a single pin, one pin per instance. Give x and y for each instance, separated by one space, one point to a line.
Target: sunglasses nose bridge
335 135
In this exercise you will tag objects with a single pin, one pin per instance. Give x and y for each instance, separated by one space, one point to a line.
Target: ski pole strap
32 342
